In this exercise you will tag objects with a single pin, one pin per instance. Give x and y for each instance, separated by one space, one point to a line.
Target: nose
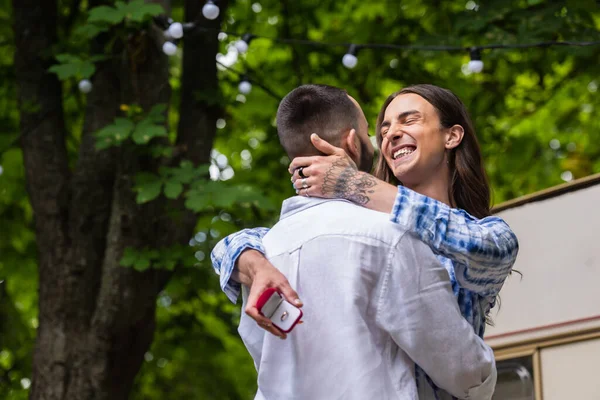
395 135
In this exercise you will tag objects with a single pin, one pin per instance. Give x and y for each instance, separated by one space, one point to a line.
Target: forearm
361 188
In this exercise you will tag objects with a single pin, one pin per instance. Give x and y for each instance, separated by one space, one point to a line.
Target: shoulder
337 218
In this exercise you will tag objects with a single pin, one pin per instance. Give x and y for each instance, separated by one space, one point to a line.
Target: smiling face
413 141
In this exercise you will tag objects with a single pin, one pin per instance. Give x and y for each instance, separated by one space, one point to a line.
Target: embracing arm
483 250
417 308
226 253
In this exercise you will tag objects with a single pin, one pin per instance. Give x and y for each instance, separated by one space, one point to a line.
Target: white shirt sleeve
418 309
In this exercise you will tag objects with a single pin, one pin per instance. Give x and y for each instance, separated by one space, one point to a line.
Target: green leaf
161 151
141 264
114 134
90 30
144 132
197 201
106 14
148 192
185 173
130 255
157 114
138 10
173 189
72 67
148 187
64 71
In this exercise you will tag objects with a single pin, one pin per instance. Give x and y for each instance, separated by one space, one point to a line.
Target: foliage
535 112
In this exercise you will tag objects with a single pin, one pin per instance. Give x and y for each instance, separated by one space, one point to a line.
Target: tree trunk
97 319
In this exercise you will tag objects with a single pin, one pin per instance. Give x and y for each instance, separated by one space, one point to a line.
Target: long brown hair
469 188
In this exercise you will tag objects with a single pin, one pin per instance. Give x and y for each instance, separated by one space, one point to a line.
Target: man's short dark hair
321 109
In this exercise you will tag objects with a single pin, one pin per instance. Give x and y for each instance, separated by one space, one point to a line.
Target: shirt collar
296 204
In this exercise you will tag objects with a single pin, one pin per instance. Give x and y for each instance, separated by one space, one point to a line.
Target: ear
351 145
454 136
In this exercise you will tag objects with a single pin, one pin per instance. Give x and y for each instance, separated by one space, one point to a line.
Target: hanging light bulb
245 87
242 44
210 10
85 86
175 30
169 48
475 65
350 60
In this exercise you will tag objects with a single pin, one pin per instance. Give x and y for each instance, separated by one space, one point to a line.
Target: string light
85 86
475 65
245 87
242 44
350 60
210 10
169 48
175 30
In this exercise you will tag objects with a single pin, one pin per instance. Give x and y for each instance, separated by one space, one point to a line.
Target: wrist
249 262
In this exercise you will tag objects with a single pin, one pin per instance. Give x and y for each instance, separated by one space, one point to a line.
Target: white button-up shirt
376 301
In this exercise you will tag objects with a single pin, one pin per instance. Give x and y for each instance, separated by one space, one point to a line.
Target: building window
515 379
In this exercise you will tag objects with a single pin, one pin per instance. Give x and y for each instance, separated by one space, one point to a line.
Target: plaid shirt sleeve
226 253
483 250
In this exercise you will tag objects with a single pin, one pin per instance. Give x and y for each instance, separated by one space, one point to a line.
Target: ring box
283 315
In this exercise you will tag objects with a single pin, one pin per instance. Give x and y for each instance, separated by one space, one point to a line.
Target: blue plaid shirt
478 253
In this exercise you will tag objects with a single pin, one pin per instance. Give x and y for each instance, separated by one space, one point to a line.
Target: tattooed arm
336 176
346 182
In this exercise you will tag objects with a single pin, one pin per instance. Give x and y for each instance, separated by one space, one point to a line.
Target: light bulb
175 30
85 86
245 87
475 65
350 60
169 48
241 46
210 10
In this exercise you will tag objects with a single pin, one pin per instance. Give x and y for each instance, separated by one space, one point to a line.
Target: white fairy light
169 48
243 44
85 86
210 10
175 30
350 60
475 65
245 87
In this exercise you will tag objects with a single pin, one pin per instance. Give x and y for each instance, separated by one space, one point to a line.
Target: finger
309 182
302 162
324 146
262 321
306 171
290 294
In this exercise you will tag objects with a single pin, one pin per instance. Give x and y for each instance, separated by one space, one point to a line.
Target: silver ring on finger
306 192
304 184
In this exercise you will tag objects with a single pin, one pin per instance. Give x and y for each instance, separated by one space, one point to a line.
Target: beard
366 158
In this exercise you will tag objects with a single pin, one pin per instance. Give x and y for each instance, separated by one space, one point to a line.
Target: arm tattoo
342 181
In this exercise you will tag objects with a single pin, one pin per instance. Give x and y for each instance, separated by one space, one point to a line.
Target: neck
435 187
